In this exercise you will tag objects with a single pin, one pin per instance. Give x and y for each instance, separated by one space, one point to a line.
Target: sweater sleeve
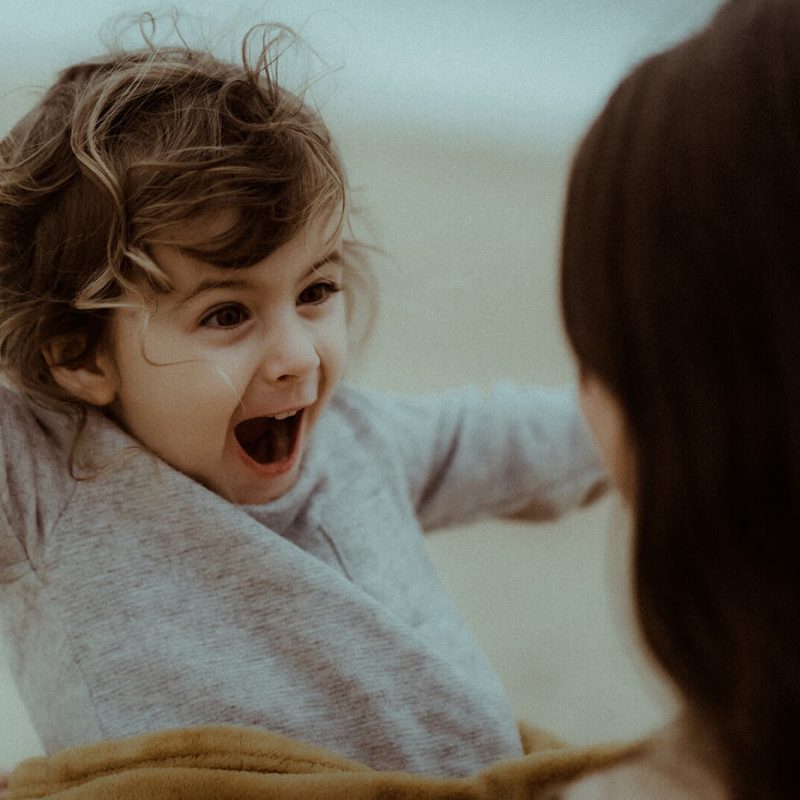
515 451
32 485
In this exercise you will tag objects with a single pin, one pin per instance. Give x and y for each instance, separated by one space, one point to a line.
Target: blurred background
457 120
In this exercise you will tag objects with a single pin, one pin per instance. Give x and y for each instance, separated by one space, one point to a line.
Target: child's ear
90 377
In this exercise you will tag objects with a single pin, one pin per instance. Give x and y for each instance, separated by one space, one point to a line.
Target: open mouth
269 440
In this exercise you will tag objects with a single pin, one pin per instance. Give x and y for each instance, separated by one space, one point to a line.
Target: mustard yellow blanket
235 763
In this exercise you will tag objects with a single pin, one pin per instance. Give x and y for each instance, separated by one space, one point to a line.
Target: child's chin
258 490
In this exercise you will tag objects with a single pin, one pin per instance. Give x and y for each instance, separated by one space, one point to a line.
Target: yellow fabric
235 763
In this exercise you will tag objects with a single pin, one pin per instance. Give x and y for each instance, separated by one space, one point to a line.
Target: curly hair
119 155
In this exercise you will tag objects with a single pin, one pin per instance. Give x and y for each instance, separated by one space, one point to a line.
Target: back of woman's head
681 292
131 150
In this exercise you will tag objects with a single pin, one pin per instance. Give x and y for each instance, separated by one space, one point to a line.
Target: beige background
468 215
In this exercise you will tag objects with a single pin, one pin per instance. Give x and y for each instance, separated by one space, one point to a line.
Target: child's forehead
184 270
316 245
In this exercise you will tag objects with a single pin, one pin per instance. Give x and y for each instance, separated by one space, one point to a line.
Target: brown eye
228 316
317 293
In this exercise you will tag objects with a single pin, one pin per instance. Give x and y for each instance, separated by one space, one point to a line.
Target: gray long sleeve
138 600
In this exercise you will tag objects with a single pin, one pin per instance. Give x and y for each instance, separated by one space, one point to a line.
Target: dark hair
121 153
681 292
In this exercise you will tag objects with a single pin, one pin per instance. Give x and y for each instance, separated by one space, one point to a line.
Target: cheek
605 420
160 386
332 345
175 401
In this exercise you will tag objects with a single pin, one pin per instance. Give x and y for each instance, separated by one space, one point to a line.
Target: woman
681 299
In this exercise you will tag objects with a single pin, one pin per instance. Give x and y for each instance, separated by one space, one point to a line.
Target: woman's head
128 152
681 297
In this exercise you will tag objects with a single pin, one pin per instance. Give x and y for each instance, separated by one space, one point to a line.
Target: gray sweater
138 600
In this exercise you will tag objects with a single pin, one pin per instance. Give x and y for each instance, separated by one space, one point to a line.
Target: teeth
284 415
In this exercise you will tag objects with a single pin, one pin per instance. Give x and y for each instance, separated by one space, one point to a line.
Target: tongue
267 440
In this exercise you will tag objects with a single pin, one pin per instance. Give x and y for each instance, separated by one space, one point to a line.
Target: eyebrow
210 284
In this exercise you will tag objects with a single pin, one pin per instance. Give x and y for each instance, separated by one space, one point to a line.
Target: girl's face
225 377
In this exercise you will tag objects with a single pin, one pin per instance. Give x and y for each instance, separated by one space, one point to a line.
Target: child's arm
514 451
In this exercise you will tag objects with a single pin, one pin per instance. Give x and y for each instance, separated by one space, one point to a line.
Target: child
199 524
681 297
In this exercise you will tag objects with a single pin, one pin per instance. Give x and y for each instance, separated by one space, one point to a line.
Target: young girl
681 295
198 524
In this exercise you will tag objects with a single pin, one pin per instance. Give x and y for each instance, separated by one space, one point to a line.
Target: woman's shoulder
669 767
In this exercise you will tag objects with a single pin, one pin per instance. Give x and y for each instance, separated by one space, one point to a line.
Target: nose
289 351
